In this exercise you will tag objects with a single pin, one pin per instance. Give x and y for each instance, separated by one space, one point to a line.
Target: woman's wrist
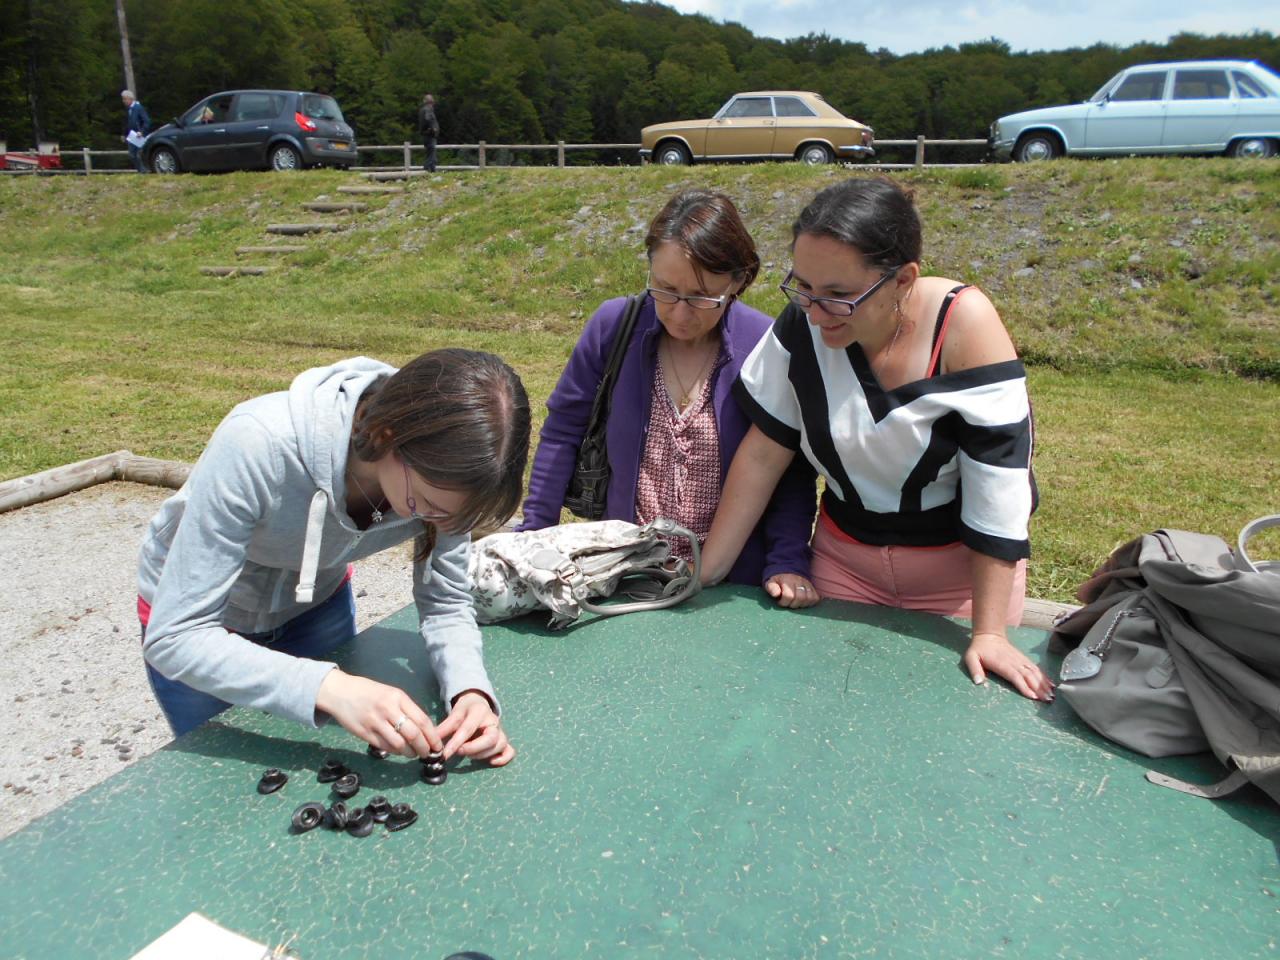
329 690
476 692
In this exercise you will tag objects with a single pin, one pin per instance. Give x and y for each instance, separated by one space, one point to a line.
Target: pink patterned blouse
680 467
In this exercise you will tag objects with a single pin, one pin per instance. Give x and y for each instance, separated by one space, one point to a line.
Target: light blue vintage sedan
1196 106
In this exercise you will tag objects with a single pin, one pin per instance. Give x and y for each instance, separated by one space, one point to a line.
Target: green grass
1148 316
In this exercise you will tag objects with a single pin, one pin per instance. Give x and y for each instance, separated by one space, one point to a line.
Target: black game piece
433 771
308 817
335 818
272 781
359 823
402 815
378 753
347 785
331 770
379 809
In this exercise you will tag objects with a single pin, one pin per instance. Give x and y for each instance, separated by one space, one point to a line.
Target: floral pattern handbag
567 568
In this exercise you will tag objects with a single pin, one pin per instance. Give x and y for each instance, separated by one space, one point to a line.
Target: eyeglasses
698 302
439 516
836 308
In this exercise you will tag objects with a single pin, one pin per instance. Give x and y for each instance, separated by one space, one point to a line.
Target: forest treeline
515 70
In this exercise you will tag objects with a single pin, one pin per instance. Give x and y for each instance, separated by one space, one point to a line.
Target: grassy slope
1149 313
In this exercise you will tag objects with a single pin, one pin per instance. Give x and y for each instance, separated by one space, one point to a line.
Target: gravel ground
79 707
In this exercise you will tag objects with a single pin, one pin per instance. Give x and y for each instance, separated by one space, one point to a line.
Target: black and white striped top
896 462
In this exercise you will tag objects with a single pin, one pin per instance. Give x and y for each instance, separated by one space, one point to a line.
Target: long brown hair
460 419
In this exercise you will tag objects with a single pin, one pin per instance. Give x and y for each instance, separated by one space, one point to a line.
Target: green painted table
723 780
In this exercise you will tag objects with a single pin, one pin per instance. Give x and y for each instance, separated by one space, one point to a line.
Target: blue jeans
135 157
313 634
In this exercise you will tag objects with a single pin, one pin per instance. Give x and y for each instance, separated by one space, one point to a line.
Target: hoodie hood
322 406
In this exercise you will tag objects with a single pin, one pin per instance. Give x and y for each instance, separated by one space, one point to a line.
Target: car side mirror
177 122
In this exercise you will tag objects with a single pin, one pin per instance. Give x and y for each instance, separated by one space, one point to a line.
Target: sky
911 26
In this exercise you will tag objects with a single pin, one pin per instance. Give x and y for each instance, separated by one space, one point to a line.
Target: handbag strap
679 592
604 392
1242 557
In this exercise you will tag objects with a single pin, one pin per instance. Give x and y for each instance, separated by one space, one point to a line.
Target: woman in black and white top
906 393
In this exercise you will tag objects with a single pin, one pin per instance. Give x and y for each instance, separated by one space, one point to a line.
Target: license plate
340 145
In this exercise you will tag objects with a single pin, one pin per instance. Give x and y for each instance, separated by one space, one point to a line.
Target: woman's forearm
992 588
756 469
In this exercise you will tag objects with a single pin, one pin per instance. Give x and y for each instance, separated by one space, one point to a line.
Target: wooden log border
121 465
124 465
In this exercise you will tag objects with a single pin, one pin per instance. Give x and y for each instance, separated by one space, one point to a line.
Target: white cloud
907 26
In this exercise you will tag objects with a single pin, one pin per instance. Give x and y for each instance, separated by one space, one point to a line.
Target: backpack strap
940 327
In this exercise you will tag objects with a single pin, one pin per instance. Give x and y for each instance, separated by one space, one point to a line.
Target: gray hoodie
260 533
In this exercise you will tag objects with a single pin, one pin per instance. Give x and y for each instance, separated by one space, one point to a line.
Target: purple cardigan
780 542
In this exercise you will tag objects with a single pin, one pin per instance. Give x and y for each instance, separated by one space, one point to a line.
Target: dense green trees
514 70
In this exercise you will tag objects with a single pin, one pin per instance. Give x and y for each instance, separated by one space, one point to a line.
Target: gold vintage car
764 124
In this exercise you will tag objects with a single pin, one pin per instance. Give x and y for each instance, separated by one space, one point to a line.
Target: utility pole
124 48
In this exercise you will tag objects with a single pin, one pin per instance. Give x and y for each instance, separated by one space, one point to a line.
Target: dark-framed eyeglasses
834 307
697 302
438 517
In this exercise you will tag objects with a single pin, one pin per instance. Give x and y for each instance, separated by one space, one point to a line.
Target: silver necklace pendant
376 517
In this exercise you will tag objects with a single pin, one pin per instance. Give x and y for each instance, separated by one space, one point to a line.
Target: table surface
725 779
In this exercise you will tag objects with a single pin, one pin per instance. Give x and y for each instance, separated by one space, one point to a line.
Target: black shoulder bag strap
586 494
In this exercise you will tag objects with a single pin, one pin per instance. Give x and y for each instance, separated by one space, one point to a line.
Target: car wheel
1253 148
284 157
814 154
1037 146
164 160
672 155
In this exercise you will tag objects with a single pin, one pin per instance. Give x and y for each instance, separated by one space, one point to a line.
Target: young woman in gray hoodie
244 584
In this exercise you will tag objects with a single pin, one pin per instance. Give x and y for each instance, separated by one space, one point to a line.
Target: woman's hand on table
792 590
472 730
991 652
379 714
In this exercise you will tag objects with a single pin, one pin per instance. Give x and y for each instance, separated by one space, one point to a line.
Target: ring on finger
400 723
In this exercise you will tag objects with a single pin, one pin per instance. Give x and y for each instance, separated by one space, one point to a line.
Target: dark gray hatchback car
254 130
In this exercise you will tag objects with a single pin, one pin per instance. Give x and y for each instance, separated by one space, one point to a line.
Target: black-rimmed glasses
438 517
834 307
697 302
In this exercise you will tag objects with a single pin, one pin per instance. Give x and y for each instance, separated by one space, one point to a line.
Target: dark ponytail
873 215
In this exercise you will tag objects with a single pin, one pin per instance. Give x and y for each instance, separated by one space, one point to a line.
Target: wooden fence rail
483 149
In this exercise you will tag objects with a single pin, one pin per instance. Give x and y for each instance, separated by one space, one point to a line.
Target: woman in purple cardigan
673 425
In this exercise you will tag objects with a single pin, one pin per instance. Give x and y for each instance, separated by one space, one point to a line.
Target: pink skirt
933 579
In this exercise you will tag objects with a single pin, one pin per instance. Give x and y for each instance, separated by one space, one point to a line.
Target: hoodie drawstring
311 549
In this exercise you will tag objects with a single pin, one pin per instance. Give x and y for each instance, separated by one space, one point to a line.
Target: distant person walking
428 130
137 124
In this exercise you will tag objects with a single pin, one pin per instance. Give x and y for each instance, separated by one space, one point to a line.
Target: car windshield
1105 89
318 107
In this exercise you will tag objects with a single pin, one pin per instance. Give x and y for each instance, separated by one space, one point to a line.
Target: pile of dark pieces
357 821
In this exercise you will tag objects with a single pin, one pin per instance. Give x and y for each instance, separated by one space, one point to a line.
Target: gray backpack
1177 650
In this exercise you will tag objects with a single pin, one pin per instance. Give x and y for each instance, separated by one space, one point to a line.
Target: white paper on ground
197 937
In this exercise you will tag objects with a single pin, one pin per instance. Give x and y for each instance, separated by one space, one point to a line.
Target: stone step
234 271
371 189
396 175
298 229
335 206
279 248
